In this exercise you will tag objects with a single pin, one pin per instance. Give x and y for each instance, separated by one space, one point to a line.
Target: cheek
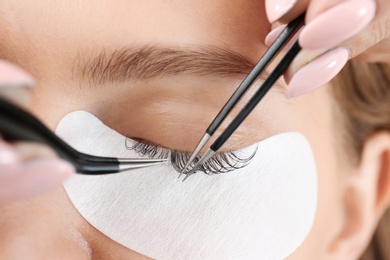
240 208
317 122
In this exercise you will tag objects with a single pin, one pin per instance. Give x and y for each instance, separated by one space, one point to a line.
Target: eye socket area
176 113
170 127
222 162
180 124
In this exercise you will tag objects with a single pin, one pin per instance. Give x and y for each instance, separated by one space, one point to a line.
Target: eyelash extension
219 163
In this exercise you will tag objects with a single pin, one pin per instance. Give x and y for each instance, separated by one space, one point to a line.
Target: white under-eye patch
263 211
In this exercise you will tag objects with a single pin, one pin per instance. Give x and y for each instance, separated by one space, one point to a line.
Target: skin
38 165
46 37
371 45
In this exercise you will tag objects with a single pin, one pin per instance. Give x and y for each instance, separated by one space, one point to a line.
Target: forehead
240 23
51 34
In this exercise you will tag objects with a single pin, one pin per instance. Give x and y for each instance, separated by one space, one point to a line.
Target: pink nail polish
271 37
338 24
7 155
12 75
317 72
276 9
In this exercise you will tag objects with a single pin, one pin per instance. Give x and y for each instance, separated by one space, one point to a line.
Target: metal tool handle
18 125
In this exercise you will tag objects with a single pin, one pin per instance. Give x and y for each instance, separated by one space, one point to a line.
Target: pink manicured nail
276 9
12 75
7 155
271 37
338 24
34 178
317 72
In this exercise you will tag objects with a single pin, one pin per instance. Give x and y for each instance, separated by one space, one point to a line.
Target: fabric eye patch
262 211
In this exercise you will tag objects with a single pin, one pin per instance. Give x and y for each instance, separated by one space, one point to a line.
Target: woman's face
80 51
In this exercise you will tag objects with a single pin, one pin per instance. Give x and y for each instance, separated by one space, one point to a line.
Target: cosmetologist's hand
26 169
335 31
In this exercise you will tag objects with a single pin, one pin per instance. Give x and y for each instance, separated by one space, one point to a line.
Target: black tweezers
17 124
287 34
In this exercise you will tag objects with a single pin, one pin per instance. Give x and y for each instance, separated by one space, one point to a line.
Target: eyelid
220 163
147 142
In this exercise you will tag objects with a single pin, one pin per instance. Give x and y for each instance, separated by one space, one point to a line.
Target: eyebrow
150 62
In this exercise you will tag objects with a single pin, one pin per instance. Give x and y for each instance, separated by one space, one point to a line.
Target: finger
379 53
329 26
312 69
285 10
316 73
317 7
12 75
8 157
28 151
22 180
32 179
271 37
374 42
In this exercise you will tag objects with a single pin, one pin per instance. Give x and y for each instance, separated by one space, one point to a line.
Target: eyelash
219 163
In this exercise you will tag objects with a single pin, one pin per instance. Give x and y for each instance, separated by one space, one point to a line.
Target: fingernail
7 155
11 75
337 24
276 9
317 72
271 37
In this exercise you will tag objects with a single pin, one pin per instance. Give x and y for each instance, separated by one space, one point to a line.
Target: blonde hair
362 92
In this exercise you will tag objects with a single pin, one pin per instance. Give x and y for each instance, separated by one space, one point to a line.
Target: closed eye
220 163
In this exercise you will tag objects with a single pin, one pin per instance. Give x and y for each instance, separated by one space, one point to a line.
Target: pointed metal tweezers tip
130 166
183 171
141 160
206 137
185 178
202 160
192 172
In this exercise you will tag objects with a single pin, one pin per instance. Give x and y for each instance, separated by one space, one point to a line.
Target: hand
335 31
26 169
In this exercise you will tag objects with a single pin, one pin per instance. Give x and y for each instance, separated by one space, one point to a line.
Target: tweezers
17 124
287 34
